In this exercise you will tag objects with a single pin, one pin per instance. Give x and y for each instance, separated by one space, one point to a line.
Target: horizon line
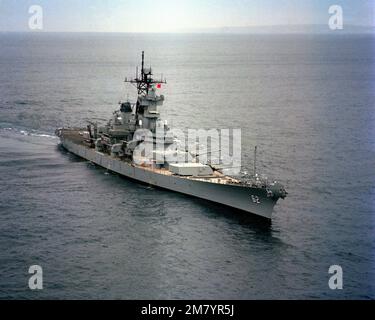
221 30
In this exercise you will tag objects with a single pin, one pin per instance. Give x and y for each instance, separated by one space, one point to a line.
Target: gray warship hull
245 198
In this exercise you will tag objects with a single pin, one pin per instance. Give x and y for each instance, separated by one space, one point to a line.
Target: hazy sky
177 15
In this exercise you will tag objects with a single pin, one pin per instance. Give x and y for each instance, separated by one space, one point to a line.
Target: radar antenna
144 81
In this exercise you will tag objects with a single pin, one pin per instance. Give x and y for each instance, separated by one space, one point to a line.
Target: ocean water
307 101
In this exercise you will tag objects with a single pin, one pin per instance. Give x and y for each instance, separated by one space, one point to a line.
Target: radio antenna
255 160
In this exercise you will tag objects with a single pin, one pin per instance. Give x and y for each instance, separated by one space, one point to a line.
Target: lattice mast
144 81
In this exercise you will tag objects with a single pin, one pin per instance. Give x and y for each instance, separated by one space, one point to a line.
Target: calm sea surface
306 101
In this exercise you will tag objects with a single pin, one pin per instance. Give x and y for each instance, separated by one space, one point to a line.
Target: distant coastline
287 29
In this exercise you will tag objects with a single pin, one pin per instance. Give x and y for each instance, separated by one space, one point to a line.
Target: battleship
114 145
